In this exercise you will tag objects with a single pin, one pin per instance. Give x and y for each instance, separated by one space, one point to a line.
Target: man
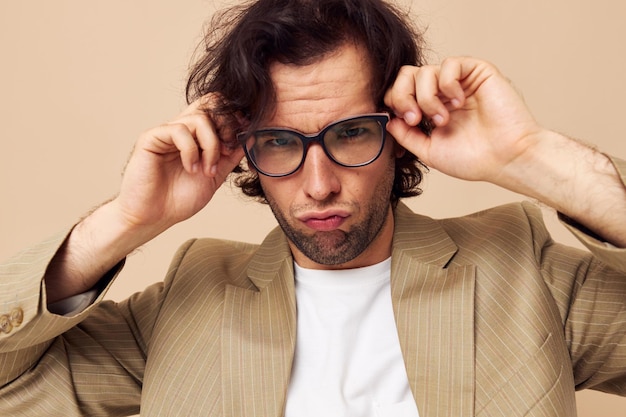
355 306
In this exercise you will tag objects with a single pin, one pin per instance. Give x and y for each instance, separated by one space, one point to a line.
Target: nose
319 174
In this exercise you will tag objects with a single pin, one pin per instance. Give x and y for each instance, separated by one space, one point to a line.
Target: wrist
574 179
95 245
549 170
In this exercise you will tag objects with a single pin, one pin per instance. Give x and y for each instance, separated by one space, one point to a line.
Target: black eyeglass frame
307 139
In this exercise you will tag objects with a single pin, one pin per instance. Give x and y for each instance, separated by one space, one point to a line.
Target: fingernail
438 119
410 118
456 102
195 168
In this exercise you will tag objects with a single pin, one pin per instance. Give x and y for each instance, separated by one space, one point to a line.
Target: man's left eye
352 132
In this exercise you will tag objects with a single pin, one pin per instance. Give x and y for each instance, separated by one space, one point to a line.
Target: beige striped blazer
494 319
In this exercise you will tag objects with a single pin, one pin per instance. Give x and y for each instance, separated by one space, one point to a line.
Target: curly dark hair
242 42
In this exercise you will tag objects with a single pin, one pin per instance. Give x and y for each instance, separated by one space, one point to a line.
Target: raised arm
173 172
485 132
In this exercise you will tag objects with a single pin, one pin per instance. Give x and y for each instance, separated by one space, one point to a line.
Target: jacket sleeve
592 301
91 363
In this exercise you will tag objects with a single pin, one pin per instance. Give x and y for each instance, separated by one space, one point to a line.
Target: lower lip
325 225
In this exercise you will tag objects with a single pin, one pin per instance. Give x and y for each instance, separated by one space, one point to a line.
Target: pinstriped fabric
488 310
434 314
258 334
519 348
229 324
258 341
20 286
184 349
435 321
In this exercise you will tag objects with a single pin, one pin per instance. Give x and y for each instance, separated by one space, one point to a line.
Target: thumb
411 138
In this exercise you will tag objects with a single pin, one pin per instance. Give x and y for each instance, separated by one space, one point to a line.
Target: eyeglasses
351 142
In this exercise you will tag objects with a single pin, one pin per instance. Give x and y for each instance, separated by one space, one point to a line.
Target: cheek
278 190
376 180
386 174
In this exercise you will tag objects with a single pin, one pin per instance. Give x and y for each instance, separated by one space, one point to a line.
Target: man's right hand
173 172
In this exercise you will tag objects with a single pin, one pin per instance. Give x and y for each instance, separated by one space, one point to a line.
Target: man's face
334 216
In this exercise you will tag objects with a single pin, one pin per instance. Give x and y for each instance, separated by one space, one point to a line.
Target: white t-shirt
348 360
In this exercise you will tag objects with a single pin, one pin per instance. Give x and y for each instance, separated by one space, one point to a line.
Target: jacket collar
272 256
421 238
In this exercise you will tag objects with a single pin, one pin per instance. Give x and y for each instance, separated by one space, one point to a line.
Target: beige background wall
80 80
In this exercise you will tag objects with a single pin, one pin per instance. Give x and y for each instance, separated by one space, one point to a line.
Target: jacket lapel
434 308
258 334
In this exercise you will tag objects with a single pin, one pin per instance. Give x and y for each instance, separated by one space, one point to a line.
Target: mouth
324 222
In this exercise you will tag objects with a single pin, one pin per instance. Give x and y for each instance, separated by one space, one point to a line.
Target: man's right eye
279 142
276 141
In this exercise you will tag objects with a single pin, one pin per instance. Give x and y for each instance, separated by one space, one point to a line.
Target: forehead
312 96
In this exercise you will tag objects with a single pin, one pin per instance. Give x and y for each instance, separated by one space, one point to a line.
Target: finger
228 161
207 140
216 140
223 125
171 141
428 95
215 132
184 140
409 137
450 76
400 98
